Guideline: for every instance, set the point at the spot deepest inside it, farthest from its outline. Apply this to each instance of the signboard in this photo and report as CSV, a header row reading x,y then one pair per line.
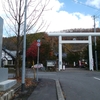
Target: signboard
x,y
38,44
51,63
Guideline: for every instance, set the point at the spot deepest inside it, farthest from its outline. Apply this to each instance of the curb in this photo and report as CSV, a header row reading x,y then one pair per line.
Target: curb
x,y
59,91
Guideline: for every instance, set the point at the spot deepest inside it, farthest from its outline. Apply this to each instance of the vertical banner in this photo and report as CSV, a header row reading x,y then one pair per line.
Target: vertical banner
x,y
79,62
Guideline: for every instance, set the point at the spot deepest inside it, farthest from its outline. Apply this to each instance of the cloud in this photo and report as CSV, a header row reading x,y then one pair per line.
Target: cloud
x,y
58,19
95,3
55,4
63,20
75,1
1,10
52,6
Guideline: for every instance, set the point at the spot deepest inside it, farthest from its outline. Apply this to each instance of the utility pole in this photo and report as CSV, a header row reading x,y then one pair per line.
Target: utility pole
x,y
96,62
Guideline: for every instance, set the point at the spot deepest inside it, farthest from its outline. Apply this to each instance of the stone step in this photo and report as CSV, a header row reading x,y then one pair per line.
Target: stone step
x,y
7,84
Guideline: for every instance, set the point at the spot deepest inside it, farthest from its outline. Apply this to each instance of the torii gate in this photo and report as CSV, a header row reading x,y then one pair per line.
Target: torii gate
x,y
89,41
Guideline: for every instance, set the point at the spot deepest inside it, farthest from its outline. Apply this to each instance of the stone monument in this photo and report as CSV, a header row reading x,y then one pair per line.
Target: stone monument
x,y
5,83
1,31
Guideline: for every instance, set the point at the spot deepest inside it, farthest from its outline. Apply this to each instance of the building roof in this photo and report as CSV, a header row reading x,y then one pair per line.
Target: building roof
x,y
10,53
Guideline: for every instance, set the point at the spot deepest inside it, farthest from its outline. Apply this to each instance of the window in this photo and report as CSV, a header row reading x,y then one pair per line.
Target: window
x,y
10,62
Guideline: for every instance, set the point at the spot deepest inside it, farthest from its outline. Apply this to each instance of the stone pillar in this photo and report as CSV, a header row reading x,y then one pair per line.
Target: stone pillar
x,y
60,53
90,54
3,74
1,32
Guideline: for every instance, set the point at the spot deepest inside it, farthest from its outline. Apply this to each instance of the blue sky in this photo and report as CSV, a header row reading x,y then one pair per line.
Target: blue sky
x,y
67,14
71,6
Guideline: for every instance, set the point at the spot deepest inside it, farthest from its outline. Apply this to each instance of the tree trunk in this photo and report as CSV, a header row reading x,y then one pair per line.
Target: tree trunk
x,y
17,65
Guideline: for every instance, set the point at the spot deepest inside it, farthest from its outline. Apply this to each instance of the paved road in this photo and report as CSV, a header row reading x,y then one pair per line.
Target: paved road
x,y
80,84
77,84
45,90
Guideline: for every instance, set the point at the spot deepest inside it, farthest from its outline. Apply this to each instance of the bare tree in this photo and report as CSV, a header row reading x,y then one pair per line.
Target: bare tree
x,y
14,10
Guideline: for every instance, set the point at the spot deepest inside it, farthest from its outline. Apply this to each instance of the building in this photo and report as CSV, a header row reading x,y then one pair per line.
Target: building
x,y
8,57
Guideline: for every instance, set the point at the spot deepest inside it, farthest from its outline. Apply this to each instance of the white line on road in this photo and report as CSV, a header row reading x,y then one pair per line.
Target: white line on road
x,y
96,78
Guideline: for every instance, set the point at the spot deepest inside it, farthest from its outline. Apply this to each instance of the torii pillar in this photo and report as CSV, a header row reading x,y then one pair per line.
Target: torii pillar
x,y
60,53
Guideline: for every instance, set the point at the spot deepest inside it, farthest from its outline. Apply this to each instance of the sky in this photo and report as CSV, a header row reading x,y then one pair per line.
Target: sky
x,y
69,14
75,14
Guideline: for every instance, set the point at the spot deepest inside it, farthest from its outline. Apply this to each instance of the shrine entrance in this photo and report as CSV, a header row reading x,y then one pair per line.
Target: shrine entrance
x,y
88,41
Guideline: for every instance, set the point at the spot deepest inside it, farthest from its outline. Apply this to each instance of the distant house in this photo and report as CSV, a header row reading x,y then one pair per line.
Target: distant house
x,y
8,57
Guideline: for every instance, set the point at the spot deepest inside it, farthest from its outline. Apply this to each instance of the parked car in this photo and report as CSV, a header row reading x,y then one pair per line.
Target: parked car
x,y
38,66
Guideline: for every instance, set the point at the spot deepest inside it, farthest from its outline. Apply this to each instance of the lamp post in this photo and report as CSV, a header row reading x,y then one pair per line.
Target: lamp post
x,y
38,45
24,49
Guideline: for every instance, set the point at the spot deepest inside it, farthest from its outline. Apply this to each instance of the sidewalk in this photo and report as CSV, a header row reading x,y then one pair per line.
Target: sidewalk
x,y
47,89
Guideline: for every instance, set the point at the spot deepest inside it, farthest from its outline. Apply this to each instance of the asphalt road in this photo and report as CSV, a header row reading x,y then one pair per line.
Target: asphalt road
x,y
80,84
77,84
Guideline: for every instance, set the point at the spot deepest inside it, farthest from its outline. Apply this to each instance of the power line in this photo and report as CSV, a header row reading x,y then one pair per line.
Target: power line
x,y
98,10
97,14
76,1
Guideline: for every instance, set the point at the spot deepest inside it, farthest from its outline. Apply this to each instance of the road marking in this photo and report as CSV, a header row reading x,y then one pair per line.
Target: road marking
x,y
97,78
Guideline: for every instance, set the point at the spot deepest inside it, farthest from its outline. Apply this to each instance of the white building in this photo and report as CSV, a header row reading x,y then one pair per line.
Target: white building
x,y
8,57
